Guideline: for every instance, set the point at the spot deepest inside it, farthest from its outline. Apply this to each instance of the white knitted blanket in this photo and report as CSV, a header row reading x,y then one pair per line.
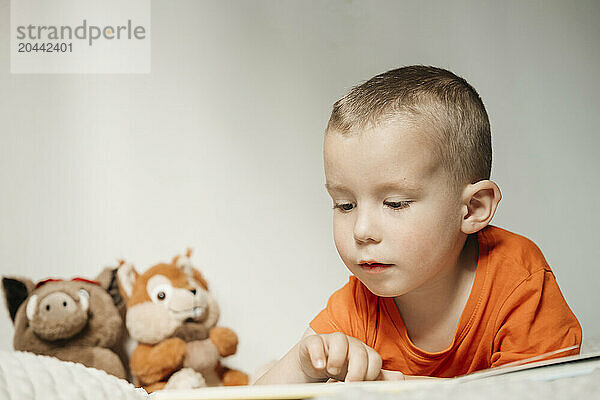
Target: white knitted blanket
x,y
27,376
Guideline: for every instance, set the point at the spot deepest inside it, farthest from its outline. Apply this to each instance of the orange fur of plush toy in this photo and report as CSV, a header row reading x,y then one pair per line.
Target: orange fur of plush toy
x,y
181,307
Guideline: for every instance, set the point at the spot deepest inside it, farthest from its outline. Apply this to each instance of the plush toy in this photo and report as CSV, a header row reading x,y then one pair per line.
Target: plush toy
x,y
173,316
73,320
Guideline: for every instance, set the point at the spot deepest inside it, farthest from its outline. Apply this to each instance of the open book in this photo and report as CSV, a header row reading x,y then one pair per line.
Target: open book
x,y
538,367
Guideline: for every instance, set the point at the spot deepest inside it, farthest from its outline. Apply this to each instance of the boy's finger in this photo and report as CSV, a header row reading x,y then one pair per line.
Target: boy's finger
x,y
337,352
391,375
374,367
315,349
358,361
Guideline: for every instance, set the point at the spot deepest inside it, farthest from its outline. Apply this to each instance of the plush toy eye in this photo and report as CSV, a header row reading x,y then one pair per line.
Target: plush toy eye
x,y
161,293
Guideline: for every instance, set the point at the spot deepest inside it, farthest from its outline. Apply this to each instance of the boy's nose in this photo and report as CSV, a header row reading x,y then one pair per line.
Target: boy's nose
x,y
365,229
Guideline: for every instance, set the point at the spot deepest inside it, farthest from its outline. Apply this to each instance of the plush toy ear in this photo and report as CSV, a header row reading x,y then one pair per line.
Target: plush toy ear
x,y
16,291
185,264
200,279
126,277
179,260
192,273
108,280
105,277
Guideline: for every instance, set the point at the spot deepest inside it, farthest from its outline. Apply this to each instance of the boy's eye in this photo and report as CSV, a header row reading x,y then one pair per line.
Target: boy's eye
x,y
396,205
344,206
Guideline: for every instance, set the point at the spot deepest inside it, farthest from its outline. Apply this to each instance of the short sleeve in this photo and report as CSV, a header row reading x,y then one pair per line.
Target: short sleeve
x,y
345,312
535,319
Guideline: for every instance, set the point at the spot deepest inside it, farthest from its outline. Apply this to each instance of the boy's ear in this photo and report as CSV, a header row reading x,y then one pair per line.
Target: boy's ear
x,y
16,291
480,200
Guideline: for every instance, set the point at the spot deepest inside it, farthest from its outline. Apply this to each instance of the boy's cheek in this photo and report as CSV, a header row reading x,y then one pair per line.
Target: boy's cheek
x,y
343,244
342,234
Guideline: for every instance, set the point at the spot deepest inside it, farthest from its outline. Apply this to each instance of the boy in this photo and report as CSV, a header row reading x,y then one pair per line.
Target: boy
x,y
435,290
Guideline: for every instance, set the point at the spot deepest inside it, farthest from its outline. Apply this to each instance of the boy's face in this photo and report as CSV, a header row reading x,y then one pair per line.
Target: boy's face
x,y
393,205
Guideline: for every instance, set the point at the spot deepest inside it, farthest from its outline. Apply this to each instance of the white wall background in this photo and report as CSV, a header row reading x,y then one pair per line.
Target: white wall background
x,y
219,148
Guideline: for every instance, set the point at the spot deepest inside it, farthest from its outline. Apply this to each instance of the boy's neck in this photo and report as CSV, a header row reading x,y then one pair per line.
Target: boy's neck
x,y
431,313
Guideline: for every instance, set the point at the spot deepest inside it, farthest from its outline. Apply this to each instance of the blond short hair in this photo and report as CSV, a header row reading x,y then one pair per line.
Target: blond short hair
x,y
431,97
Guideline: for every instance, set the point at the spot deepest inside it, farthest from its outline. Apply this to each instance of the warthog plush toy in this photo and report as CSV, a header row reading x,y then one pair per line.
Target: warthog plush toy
x,y
73,320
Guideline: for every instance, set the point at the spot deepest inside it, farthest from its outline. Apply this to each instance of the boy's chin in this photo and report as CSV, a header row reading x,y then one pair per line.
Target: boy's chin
x,y
386,293
384,288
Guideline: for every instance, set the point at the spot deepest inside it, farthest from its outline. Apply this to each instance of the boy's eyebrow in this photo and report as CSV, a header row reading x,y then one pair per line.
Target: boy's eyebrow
x,y
330,186
384,186
399,185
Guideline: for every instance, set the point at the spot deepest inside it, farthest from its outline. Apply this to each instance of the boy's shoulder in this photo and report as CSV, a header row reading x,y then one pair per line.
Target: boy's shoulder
x,y
522,300
513,269
511,251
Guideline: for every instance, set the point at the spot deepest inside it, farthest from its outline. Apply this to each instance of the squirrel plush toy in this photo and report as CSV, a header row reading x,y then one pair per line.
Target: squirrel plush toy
x,y
173,317
74,320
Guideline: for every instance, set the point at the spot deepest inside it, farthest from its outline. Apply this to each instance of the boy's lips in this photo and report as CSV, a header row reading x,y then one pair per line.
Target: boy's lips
x,y
374,266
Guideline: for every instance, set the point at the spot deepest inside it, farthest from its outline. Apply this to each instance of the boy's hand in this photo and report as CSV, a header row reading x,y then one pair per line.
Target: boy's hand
x,y
338,356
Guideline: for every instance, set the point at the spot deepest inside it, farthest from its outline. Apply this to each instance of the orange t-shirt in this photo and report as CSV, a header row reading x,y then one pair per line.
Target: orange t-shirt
x,y
515,311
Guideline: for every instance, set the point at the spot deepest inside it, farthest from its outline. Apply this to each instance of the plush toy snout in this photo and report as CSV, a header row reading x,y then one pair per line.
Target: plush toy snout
x,y
189,305
58,315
